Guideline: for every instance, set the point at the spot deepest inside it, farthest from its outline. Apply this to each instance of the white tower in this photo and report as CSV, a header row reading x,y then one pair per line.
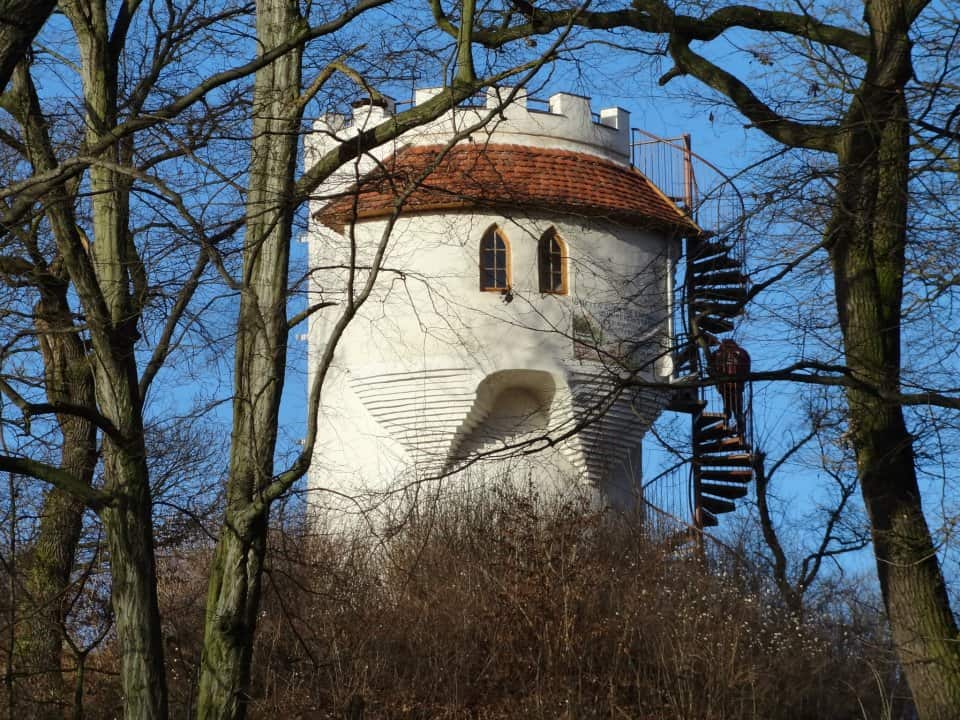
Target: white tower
x,y
526,275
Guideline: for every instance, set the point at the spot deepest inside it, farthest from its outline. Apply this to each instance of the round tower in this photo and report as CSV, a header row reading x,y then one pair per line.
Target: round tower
x,y
521,322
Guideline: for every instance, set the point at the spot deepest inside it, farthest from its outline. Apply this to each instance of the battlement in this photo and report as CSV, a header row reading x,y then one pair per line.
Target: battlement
x,y
564,121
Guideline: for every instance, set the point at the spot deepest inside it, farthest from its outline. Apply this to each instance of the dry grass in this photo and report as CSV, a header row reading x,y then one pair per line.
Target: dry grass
x,y
507,608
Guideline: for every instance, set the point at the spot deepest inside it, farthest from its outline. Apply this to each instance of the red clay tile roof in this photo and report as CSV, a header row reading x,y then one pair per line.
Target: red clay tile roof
x,y
483,175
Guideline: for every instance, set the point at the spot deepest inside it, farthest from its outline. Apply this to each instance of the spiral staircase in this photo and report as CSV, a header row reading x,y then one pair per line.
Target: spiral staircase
x,y
722,456
712,296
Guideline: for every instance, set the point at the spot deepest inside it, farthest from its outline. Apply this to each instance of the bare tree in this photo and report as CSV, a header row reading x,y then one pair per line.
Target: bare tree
x,y
146,133
858,127
796,570
68,382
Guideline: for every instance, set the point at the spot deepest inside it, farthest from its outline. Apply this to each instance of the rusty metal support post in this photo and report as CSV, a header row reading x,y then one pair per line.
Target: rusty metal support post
x,y
688,184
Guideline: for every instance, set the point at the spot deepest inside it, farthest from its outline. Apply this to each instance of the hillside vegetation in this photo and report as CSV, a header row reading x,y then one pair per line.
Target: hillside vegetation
x,y
507,608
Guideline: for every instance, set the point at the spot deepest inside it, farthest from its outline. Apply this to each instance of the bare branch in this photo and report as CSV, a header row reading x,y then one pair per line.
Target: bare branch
x,y
655,16
90,496
29,409
27,192
761,115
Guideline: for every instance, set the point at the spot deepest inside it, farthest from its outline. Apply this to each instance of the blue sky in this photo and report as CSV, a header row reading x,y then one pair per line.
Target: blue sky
x,y
617,77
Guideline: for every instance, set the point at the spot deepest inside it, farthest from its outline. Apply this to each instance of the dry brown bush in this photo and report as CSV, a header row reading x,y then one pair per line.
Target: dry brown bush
x,y
512,607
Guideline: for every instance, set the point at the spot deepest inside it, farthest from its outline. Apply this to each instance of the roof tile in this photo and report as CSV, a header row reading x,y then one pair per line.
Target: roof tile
x,y
475,175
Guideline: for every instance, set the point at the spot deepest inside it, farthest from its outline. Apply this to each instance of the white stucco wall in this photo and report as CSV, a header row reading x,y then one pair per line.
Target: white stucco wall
x,y
432,369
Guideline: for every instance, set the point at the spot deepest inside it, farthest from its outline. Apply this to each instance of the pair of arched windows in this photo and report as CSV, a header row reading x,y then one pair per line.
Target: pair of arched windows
x,y
495,262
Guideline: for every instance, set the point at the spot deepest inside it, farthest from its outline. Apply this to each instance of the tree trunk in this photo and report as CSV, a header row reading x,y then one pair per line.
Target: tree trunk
x,y
867,239
51,559
129,533
235,580
68,379
113,310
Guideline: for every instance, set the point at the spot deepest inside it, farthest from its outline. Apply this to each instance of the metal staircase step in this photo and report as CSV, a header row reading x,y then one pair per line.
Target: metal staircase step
x,y
731,476
730,492
727,444
723,262
731,460
716,506
706,419
719,277
715,325
731,294
731,309
702,251
710,434
707,518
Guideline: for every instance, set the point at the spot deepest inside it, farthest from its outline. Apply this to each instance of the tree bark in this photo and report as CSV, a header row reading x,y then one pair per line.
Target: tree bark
x,y
235,581
52,556
867,238
20,21
68,380
113,311
869,241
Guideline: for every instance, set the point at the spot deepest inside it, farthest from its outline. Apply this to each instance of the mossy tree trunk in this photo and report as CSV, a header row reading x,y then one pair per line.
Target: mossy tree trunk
x,y
260,363
261,342
867,239
112,298
51,560
68,380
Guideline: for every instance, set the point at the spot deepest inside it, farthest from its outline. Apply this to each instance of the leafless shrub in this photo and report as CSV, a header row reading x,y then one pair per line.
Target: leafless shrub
x,y
510,606
513,606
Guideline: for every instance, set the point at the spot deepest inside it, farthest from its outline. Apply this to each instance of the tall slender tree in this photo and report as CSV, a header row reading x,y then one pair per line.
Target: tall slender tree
x,y
68,381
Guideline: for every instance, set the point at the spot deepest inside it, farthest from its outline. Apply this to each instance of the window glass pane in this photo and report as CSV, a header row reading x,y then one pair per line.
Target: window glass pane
x,y
494,254
543,260
550,263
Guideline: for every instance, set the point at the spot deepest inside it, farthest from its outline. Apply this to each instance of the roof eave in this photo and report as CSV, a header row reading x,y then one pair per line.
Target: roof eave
x,y
683,225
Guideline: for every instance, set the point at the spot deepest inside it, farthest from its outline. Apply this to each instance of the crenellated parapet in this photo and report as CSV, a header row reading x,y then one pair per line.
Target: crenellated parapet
x,y
564,121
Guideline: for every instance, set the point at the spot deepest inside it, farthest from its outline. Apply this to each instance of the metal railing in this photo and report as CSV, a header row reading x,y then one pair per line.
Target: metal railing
x,y
698,186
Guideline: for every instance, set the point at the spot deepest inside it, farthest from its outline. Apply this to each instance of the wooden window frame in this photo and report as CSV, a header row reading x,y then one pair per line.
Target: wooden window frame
x,y
545,268
490,235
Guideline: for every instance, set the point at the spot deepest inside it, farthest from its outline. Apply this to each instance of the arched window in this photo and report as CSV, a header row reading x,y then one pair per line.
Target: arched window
x,y
494,260
552,263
